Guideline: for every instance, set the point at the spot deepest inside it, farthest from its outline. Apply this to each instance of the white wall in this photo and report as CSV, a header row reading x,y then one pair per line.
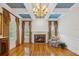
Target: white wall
x,y
69,29
40,25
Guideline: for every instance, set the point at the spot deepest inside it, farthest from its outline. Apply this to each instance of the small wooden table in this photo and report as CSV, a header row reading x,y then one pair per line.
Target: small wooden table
x,y
4,46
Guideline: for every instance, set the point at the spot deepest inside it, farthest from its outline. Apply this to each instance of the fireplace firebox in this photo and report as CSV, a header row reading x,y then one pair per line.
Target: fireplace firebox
x,y
39,38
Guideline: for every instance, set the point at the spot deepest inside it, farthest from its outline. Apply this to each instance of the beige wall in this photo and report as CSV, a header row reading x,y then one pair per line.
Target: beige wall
x,y
69,29
0,24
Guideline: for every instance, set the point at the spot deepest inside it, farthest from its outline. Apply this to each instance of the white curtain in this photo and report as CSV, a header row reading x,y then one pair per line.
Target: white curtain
x,y
26,33
52,30
12,32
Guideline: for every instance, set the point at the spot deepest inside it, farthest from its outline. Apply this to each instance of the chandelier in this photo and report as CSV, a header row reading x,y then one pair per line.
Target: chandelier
x,y
40,10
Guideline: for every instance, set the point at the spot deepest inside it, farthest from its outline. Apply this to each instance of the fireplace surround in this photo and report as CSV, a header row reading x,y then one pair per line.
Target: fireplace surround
x,y
39,38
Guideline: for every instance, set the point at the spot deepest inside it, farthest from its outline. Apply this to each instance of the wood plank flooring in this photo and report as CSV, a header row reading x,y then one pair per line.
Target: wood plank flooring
x,y
39,50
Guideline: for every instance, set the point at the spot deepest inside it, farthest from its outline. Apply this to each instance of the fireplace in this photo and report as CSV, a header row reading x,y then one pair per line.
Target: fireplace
x,y
39,38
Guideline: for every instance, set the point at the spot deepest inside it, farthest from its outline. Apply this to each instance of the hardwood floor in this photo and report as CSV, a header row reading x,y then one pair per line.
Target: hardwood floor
x,y
39,50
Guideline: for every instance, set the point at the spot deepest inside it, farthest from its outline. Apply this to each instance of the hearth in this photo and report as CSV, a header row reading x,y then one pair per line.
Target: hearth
x,y
39,38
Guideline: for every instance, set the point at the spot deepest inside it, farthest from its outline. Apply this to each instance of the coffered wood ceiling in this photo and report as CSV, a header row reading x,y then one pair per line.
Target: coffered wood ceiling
x,y
64,5
16,5
25,10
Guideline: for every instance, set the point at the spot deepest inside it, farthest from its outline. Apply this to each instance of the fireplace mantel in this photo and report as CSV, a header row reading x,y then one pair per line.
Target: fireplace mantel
x,y
40,33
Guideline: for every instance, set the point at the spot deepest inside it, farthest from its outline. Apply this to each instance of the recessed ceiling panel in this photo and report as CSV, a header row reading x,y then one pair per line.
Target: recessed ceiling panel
x,y
54,15
64,5
16,5
25,15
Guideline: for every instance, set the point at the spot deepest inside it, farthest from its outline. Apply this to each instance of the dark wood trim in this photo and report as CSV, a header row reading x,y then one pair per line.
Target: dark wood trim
x,y
30,23
23,25
56,27
22,38
6,24
17,32
1,24
49,29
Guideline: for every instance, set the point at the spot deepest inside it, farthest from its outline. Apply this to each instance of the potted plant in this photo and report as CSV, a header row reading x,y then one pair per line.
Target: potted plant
x,y
62,45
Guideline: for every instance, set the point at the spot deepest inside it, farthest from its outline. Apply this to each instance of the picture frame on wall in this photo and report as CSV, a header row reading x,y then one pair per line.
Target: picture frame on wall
x,y
0,23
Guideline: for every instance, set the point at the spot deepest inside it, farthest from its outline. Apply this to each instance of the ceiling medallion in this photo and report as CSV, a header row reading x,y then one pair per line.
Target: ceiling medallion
x,y
40,10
